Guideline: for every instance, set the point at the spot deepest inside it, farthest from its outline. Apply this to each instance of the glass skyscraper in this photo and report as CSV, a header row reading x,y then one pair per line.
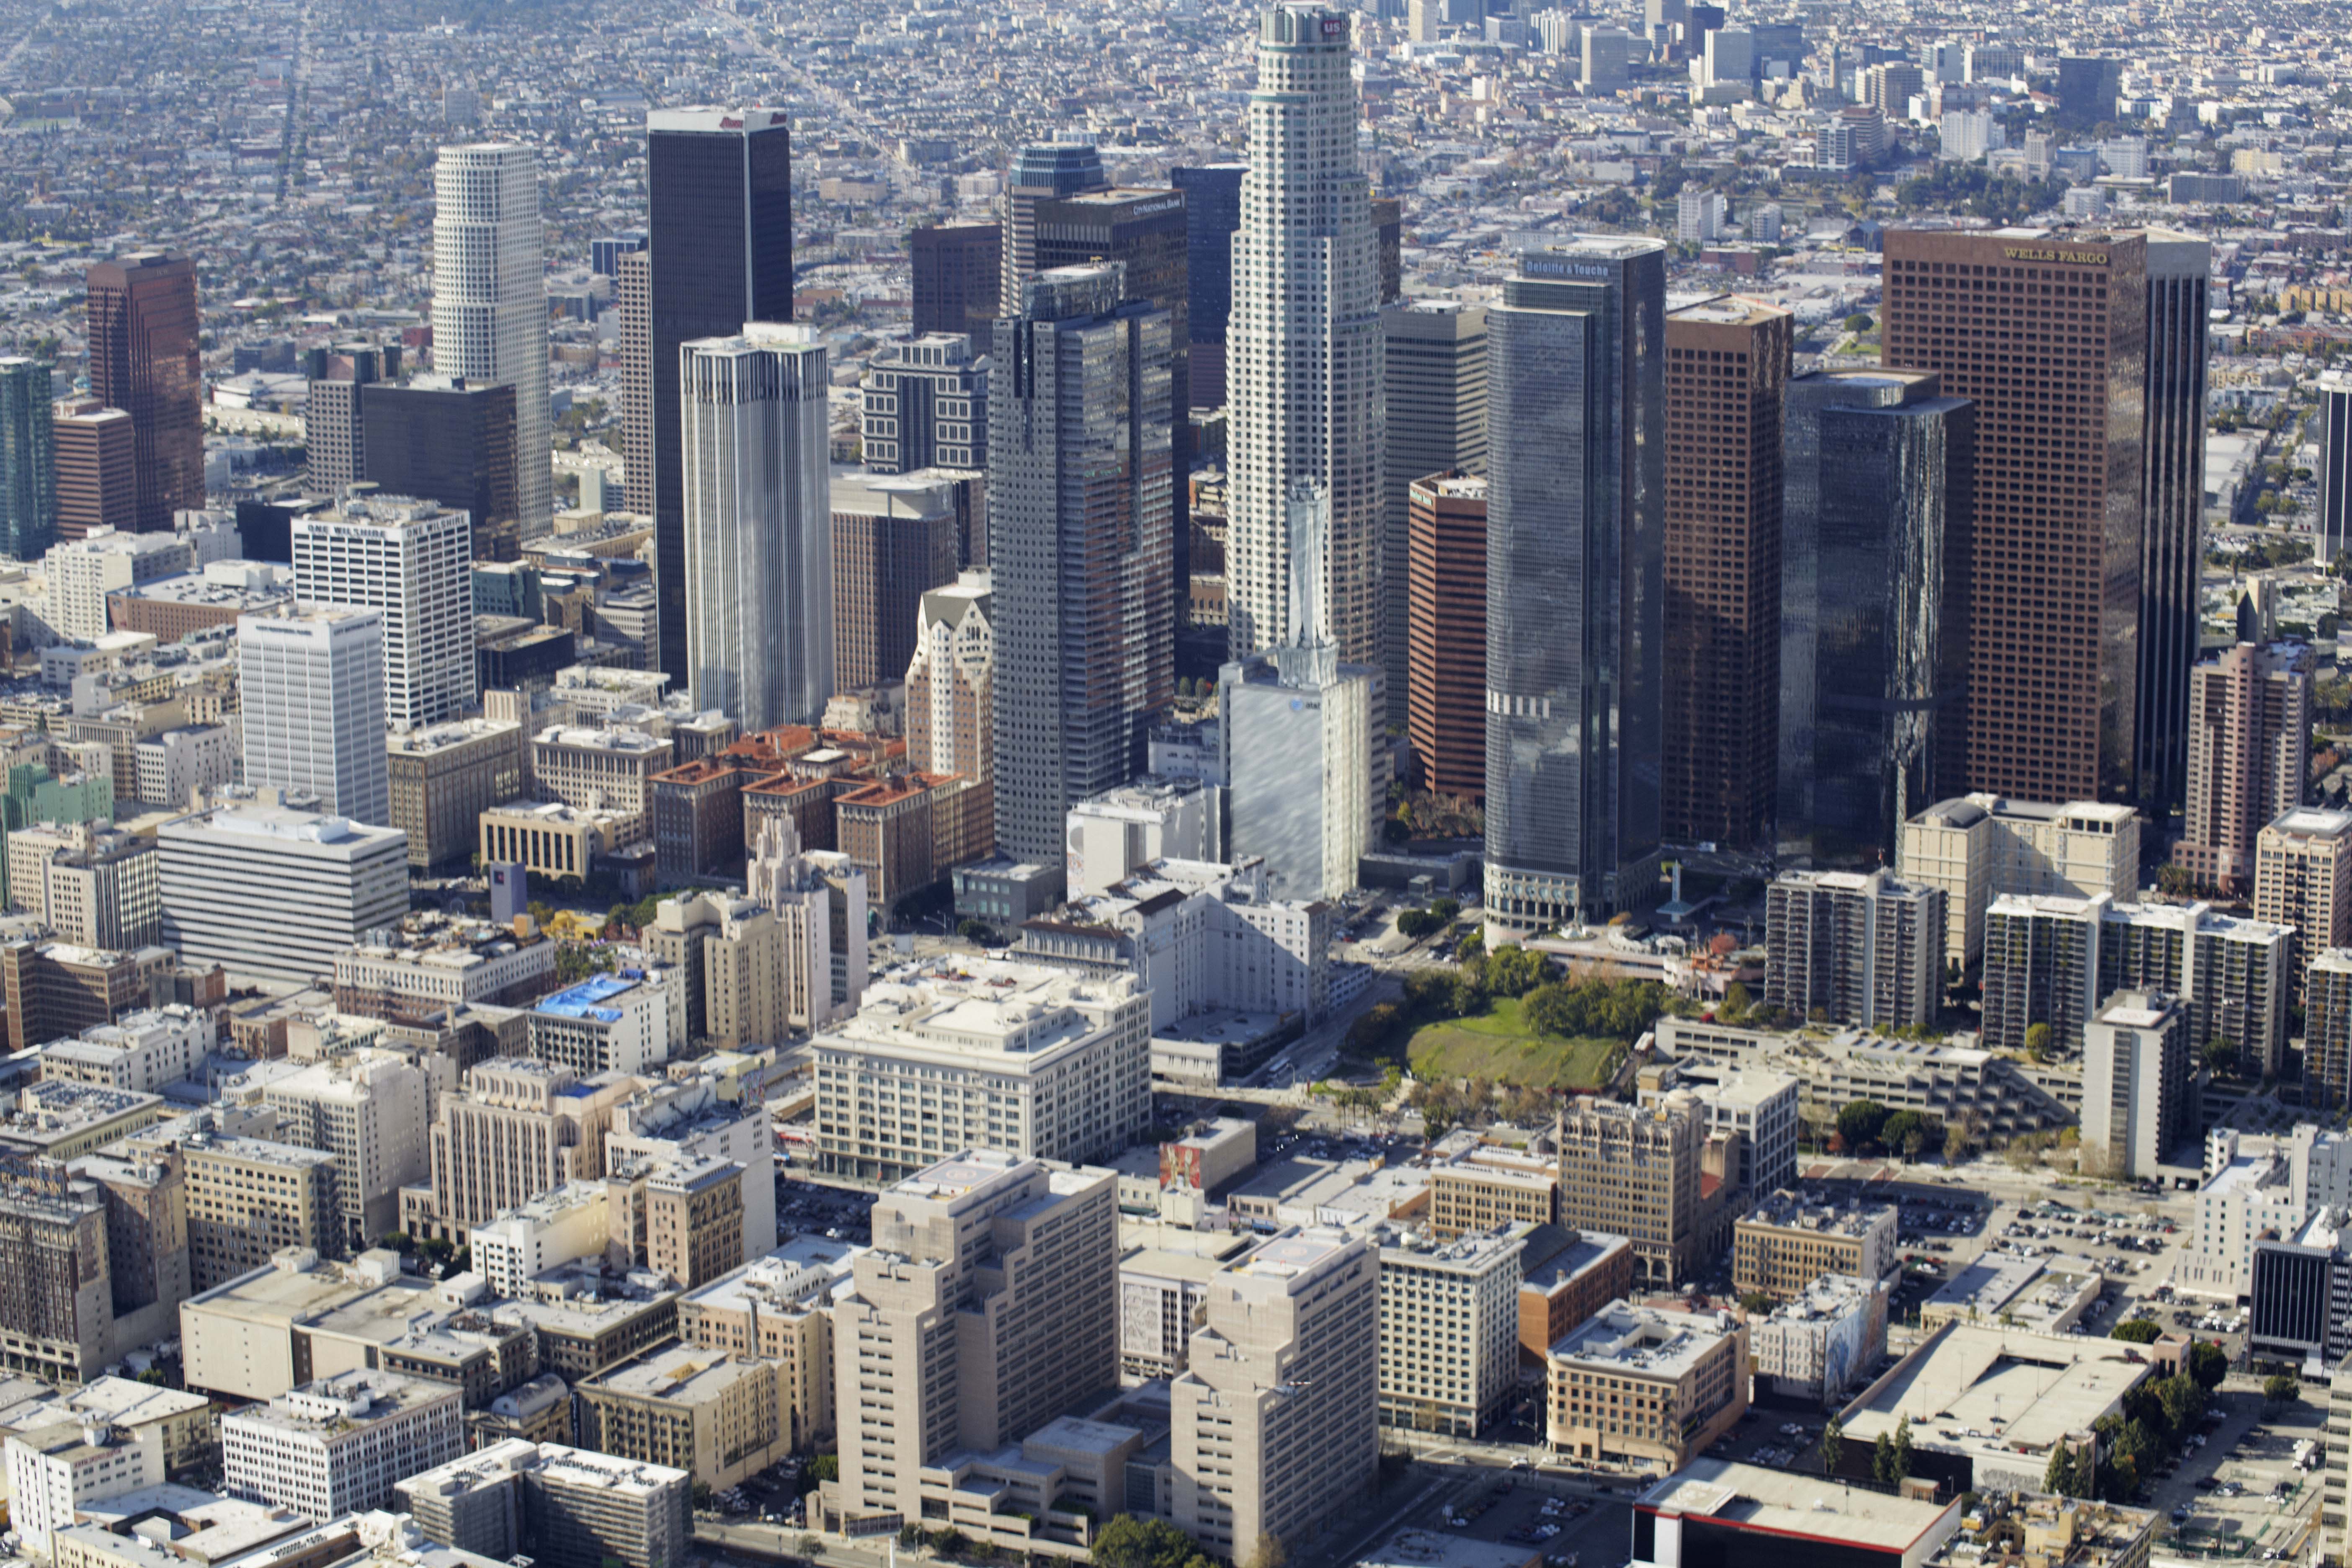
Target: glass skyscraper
x,y
28,461
1575,563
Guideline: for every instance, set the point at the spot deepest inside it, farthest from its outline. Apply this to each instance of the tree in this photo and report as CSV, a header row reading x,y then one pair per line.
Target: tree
x,y
1128,1542
825,1467
2037,1041
2280,1389
2208,1364
1832,1445
1268,1554
2060,1480
1860,1123
1882,1461
1735,1002
1859,321
810,1545
1902,1449
2137,1331
1756,1303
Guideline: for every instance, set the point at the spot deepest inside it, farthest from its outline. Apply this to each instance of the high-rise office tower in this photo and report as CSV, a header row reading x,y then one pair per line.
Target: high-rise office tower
x,y
1080,447
1435,387
413,561
97,467
311,690
633,306
1608,59
2172,478
1213,211
1575,560
719,187
958,278
1302,349
28,461
1388,241
2248,758
2054,579
1727,383
334,437
894,540
1447,631
144,361
2335,530
606,251
2087,89
1146,231
1873,610
924,405
441,438
1047,172
489,301
759,548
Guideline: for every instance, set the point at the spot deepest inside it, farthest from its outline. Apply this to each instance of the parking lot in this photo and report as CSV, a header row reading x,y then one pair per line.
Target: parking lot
x,y
1523,1510
837,1214
2244,1492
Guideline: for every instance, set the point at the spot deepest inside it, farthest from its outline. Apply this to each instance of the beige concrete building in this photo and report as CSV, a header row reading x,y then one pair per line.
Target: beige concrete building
x,y
1276,1418
2249,757
56,1312
1786,1244
603,770
1487,1187
186,1423
366,1108
520,1128
443,776
336,1446
585,1317
53,1471
1026,1058
1636,1173
250,1198
567,1506
1021,1259
556,838
1979,847
779,1309
1646,1385
561,1226
719,1417
682,1219
239,1339
1449,1330
2303,879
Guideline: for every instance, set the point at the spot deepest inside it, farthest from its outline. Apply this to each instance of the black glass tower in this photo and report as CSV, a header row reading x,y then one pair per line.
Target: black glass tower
x,y
721,194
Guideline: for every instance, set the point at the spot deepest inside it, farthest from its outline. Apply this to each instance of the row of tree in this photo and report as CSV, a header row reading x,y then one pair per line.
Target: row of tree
x,y
1864,1126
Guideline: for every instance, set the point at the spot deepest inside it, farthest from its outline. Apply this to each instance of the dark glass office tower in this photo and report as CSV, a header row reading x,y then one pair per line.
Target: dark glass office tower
x,y
1146,231
29,460
1213,211
959,277
1080,445
720,193
2087,89
1045,172
1388,228
1873,610
2172,481
144,361
1575,591
439,439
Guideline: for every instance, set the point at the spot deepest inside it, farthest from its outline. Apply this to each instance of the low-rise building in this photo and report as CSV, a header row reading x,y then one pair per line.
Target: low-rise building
x,y
1817,1346
337,1445
719,1416
1647,1386
1786,1243
569,1507
1716,1512
443,776
55,1471
556,1227
436,963
610,1023
1489,1186
1570,1276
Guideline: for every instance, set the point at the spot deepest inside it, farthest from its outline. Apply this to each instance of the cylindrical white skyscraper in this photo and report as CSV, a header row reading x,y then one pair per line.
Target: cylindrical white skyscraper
x,y
759,524
489,301
1303,365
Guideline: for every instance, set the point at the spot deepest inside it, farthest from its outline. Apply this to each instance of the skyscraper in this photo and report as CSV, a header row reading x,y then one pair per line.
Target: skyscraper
x,y
1575,548
1213,211
1727,383
438,438
144,361
759,554
1080,447
1436,390
28,462
1302,349
1447,631
1045,172
334,437
959,277
411,560
633,305
489,301
2056,516
2172,477
1873,610
2335,529
2248,758
2087,89
894,540
719,187
97,469
311,687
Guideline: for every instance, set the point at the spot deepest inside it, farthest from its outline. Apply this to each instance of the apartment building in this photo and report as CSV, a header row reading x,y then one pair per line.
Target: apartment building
x,y
2137,1070
1636,1173
2303,879
560,1225
1979,847
443,776
366,1108
1487,1187
1012,1056
1786,1244
2327,1026
1864,950
518,1127
2053,959
1276,1415
1449,1329
56,1313
682,1219
2249,757
337,1445
1646,1386
671,1128
778,1308
714,1416
1023,1257
142,1051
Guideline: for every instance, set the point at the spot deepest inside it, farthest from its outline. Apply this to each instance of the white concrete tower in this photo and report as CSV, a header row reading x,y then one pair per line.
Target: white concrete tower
x,y
490,299
312,692
1304,349
759,539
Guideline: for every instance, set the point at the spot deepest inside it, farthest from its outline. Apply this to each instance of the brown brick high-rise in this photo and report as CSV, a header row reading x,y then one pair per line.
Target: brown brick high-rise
x,y
1445,644
1726,385
144,361
2047,334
